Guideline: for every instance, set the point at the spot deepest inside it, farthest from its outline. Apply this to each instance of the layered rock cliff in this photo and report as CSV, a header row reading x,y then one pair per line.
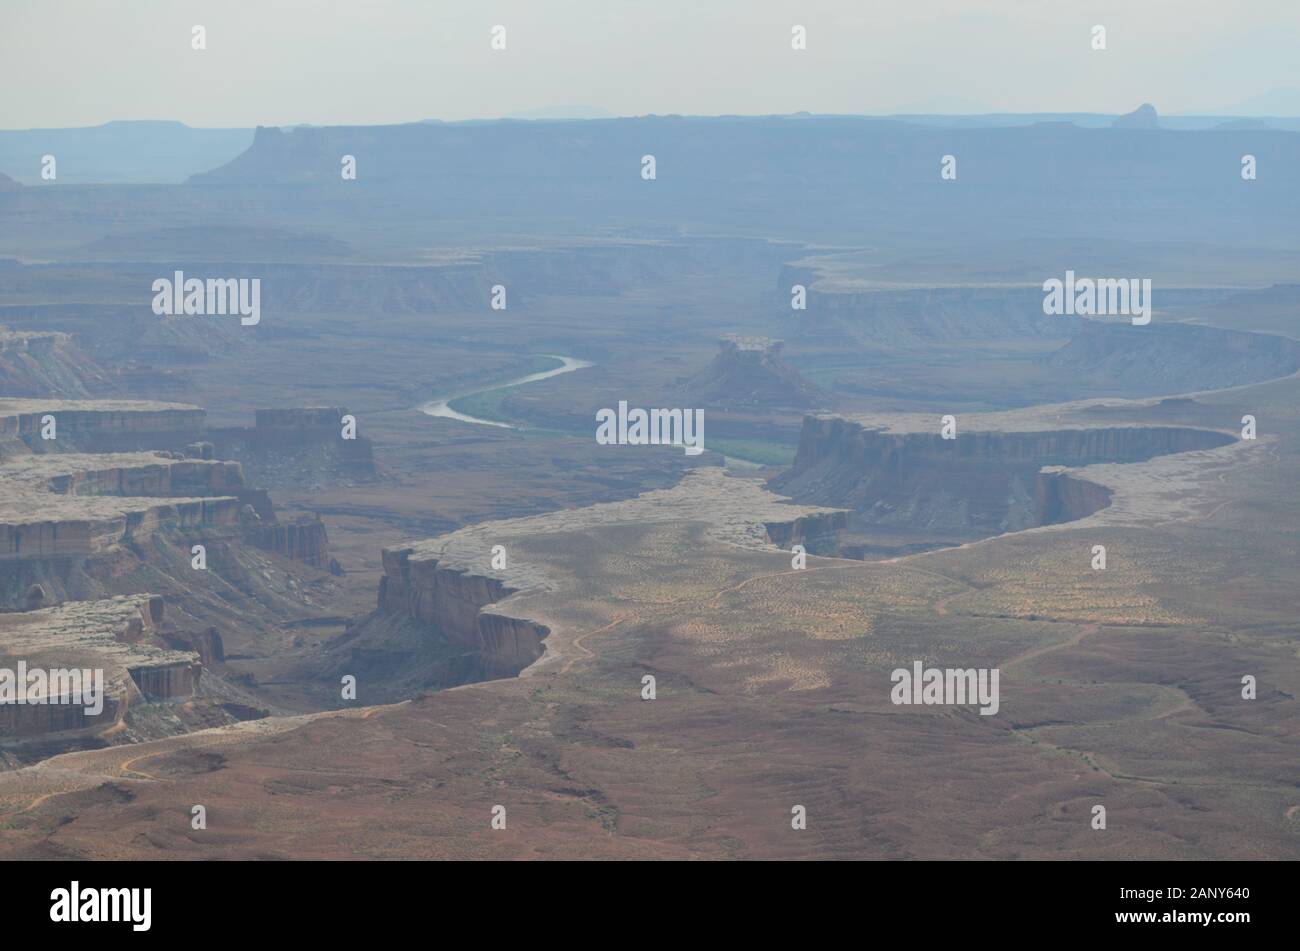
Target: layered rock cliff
x,y
97,425
302,539
111,639
818,533
292,447
980,483
67,516
451,602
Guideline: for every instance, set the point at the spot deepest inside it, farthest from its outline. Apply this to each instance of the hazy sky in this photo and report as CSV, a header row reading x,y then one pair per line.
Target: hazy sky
x,y
279,62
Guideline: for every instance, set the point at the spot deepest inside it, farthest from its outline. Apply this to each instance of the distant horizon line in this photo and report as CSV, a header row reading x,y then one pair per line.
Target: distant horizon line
x,y
433,120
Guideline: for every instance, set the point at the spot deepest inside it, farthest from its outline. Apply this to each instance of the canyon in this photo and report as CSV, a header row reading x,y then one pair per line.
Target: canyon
x,y
90,518
499,594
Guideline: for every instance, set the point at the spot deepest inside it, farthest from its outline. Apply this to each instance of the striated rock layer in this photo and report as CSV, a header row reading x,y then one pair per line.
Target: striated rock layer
x,y
290,446
112,636
980,483
59,509
302,539
451,600
98,425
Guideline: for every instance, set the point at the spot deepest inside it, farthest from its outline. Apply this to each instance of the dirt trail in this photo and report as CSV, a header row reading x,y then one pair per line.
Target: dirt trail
x,y
1084,631
84,769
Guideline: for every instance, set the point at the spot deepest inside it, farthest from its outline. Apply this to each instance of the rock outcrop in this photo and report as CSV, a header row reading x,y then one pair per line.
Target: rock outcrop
x,y
980,483
1143,117
60,508
451,601
292,447
749,371
819,533
302,539
46,364
111,638
96,425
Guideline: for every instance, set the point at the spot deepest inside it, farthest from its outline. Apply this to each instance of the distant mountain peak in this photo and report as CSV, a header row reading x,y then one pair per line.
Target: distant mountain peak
x,y
1143,117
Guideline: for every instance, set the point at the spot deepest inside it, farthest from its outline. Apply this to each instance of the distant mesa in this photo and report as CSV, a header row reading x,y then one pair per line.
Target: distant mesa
x,y
7,184
121,152
749,371
1143,117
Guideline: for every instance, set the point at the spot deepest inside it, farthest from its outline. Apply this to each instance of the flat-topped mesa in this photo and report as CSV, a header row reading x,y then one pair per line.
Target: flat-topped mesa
x,y
285,446
58,510
96,425
750,371
983,482
72,504
111,637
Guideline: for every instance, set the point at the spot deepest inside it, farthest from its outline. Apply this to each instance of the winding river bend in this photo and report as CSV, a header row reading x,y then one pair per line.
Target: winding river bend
x,y
442,407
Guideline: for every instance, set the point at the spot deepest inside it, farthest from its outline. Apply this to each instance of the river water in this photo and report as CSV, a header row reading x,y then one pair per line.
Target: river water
x,y
442,407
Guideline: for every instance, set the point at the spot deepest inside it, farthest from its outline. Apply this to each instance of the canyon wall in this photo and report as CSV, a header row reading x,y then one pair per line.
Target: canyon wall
x,y
302,539
1061,497
87,534
819,534
297,446
977,484
166,478
451,602
100,426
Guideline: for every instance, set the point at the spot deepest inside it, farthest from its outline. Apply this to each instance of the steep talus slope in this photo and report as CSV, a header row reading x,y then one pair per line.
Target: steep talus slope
x,y
47,364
